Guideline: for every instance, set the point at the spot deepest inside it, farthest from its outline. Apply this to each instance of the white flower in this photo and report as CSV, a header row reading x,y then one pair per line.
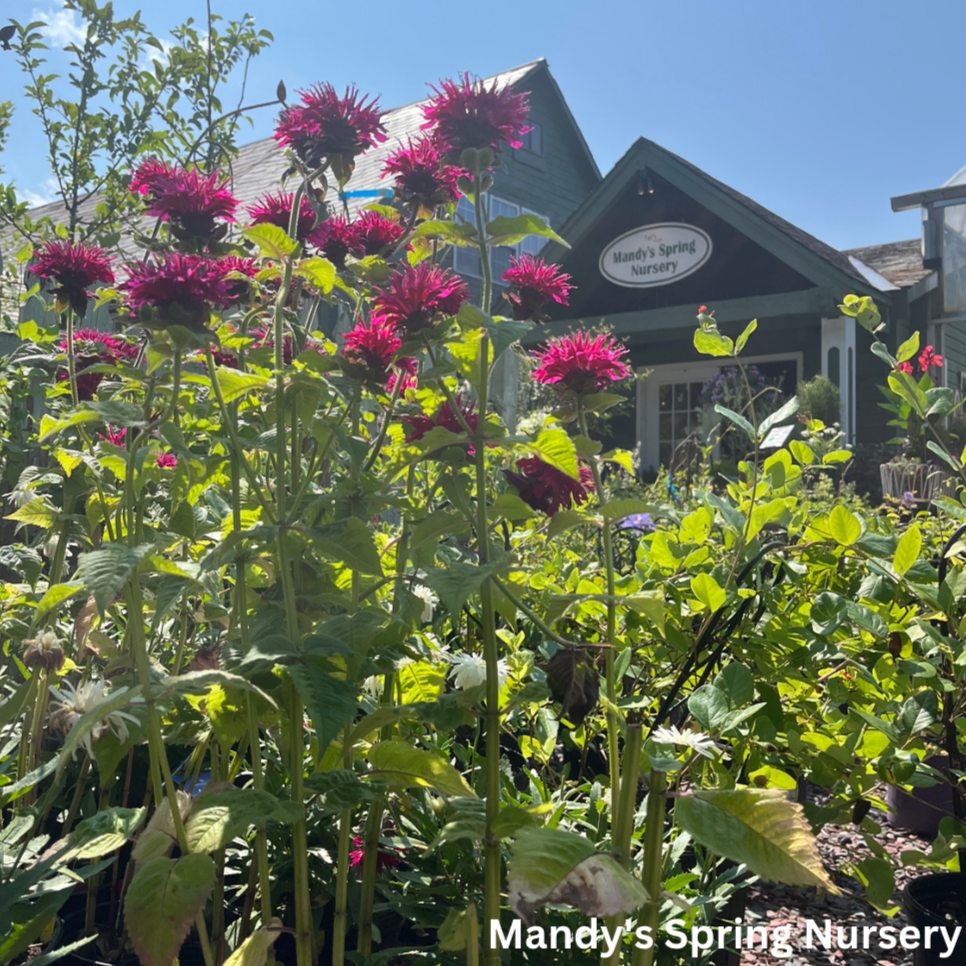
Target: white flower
x,y
697,741
50,547
70,704
469,670
20,497
374,685
429,599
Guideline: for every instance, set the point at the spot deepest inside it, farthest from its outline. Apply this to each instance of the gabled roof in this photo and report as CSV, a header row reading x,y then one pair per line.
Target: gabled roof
x,y
259,166
804,252
900,262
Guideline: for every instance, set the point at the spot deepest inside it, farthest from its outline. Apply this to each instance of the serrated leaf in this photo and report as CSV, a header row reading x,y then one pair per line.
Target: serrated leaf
x,y
234,384
398,763
162,901
351,542
254,950
555,447
105,571
758,827
331,703
38,513
271,240
320,272
512,231
219,817
102,833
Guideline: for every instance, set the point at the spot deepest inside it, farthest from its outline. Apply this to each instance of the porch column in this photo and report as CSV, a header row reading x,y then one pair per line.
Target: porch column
x,y
838,365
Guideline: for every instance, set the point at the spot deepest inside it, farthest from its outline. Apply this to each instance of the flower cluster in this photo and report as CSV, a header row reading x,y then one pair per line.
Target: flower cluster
x,y
369,350
466,114
95,348
190,200
581,364
182,287
277,210
70,704
375,233
44,651
328,128
446,418
533,284
927,358
419,296
420,175
545,488
73,269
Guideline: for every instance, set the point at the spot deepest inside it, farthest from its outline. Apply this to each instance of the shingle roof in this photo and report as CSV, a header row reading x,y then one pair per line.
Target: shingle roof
x,y
900,262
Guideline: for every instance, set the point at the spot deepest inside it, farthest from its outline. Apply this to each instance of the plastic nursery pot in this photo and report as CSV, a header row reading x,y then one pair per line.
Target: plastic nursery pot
x,y
922,810
937,900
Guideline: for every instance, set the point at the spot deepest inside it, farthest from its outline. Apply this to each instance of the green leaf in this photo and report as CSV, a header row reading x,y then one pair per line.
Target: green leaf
x,y
398,763
843,526
463,235
456,583
779,416
272,242
198,682
234,384
105,571
706,589
618,509
879,880
907,553
555,447
38,513
254,950
554,866
600,402
710,342
330,702
759,827
162,902
50,426
55,595
504,333
742,339
920,712
563,520
436,525
710,707
880,724
219,817
738,685
737,419
320,272
934,447
102,833
351,542
908,348
827,612
512,231
940,401
862,308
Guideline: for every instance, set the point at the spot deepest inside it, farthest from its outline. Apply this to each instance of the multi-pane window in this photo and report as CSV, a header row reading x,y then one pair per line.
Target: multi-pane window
x,y
532,141
467,261
680,406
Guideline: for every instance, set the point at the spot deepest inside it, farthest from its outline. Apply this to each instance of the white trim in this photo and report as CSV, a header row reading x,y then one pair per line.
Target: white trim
x,y
648,409
839,333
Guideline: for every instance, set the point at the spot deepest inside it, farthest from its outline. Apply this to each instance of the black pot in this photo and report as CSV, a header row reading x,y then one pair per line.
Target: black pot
x,y
923,809
937,900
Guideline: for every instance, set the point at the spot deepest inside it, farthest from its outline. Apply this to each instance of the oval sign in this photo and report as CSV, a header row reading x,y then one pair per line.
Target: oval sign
x,y
655,255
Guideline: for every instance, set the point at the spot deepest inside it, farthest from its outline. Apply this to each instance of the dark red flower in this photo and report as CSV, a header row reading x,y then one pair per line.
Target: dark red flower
x,y
419,296
581,364
369,350
375,233
181,287
238,288
533,284
929,357
167,461
114,436
408,377
74,269
336,238
545,488
421,177
446,417
95,348
265,339
191,200
905,367
277,209
325,126
467,114
384,860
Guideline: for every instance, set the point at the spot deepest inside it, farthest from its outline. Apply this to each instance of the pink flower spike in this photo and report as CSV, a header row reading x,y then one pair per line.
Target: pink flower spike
x,y
189,283
191,200
579,364
167,461
73,269
420,176
276,210
545,488
533,284
417,297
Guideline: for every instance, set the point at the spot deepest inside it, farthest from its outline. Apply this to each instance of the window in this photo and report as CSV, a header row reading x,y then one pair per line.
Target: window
x,y
680,408
466,261
533,140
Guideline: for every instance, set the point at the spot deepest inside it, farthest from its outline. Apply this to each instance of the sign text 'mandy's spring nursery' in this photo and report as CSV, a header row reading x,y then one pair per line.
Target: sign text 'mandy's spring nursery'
x,y
655,255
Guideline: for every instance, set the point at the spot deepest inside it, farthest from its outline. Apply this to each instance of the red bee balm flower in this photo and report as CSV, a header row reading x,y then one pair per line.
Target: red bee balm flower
x,y
337,239
326,126
384,860
445,417
182,287
375,233
547,489
468,114
534,283
276,210
191,200
167,461
369,350
74,269
417,297
421,178
238,288
580,364
150,178
95,348
929,357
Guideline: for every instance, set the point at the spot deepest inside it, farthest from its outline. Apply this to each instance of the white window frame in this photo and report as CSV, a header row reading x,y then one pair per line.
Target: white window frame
x,y
532,245
648,395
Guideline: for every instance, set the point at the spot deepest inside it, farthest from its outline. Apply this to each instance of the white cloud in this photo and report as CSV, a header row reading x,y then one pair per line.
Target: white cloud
x,y
63,26
46,193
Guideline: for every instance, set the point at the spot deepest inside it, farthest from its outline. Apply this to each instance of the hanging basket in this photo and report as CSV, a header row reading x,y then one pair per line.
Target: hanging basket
x,y
925,481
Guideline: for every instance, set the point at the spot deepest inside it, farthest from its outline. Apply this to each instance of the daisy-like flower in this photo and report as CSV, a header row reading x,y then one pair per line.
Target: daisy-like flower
x,y
277,210
191,200
929,357
70,704
446,417
181,287
420,176
465,113
327,127
91,348
418,297
44,651
337,239
73,269
375,233
429,599
533,283
369,349
167,461
697,741
469,670
374,685
581,364
545,488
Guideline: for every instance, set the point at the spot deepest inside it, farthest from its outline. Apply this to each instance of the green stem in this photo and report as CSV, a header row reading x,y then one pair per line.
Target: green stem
x,y
340,923
472,936
653,864
71,363
370,867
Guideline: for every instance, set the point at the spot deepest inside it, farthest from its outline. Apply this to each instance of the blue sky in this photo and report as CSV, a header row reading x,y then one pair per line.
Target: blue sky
x,y
820,110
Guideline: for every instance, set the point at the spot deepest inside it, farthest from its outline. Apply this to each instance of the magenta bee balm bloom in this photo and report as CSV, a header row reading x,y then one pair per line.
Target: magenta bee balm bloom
x,y
533,284
419,296
375,233
467,114
581,364
181,287
276,210
420,176
74,269
337,240
190,200
369,350
92,348
545,488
